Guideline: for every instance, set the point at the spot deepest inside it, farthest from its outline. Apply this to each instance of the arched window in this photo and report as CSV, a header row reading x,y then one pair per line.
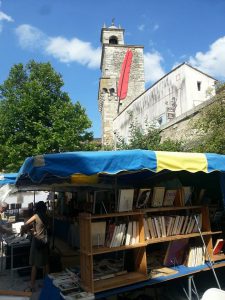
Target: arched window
x,y
113,40
104,90
111,91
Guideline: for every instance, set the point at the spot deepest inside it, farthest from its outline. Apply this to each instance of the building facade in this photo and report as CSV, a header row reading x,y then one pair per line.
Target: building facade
x,y
178,92
113,52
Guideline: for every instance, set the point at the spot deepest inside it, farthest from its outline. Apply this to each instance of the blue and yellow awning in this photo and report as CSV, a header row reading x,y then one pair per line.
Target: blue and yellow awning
x,y
85,166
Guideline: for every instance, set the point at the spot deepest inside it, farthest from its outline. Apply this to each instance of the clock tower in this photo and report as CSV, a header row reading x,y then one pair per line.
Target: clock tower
x,y
113,53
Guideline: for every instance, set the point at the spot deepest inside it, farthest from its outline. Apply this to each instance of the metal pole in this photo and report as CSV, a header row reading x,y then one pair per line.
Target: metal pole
x,y
53,222
206,251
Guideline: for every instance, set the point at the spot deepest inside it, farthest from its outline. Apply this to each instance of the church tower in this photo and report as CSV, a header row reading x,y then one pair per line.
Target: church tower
x,y
113,53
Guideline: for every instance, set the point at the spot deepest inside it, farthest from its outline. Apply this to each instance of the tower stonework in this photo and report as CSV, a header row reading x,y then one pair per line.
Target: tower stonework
x,y
113,53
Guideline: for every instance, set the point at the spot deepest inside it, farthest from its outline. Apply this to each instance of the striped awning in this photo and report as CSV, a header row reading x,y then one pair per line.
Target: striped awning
x,y
87,165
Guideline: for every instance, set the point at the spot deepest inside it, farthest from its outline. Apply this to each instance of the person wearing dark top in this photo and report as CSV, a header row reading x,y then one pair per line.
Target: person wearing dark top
x,y
39,251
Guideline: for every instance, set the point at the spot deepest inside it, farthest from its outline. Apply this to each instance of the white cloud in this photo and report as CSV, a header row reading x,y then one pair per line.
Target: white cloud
x,y
156,27
5,17
30,37
65,50
153,68
212,61
141,27
74,50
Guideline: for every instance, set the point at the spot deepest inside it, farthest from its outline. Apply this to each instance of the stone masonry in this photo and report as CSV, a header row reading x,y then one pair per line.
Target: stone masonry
x,y
113,53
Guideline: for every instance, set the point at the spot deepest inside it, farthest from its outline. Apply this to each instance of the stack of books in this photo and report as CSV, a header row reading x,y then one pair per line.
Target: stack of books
x,y
108,268
162,226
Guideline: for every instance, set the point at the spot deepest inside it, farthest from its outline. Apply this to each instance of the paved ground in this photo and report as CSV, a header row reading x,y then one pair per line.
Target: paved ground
x,y
172,290
19,283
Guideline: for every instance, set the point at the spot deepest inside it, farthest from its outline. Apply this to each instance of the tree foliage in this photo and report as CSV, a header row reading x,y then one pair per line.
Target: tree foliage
x,y
210,126
37,117
149,139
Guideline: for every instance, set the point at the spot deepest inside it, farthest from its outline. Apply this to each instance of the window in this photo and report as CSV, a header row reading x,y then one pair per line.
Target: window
x,y
111,91
113,40
199,85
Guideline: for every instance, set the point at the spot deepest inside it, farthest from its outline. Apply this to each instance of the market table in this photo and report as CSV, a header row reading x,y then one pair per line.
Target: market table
x,y
49,291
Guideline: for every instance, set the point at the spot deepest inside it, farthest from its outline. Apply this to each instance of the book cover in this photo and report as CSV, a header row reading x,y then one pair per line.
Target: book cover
x,y
115,234
162,271
134,233
146,230
126,197
175,252
98,230
218,246
157,196
109,235
151,228
129,234
169,197
143,198
187,193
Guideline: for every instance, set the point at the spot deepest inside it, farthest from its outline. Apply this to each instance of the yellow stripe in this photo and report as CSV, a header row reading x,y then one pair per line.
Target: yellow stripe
x,y
176,161
84,179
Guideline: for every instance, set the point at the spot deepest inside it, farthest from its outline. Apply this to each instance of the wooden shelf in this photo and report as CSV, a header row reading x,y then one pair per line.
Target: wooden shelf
x,y
100,250
117,214
118,281
179,237
218,257
170,208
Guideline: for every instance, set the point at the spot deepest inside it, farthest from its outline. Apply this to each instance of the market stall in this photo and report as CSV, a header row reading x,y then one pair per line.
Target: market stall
x,y
134,170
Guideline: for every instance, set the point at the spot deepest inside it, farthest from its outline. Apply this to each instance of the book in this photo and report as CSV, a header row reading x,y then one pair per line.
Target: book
x,y
157,196
157,227
78,295
151,228
129,234
218,246
115,233
175,252
109,234
66,284
169,197
146,230
162,271
134,233
125,202
98,230
187,193
143,198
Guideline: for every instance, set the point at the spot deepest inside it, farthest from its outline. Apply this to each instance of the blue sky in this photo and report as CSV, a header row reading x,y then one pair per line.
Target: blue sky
x,y
67,34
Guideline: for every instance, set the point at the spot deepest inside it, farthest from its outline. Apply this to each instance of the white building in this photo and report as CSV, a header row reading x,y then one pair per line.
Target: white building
x,y
178,92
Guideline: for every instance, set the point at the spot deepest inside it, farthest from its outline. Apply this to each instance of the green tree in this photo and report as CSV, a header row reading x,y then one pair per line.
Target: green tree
x,y
149,139
210,126
37,117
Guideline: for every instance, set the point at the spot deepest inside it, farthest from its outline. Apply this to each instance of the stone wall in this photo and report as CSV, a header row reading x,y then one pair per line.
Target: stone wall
x,y
181,127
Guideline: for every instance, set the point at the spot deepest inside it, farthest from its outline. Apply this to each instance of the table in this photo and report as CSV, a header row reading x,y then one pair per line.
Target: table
x,y
49,291
5,246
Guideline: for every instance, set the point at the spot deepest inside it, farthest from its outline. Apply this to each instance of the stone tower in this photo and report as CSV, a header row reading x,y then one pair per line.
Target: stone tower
x,y
113,53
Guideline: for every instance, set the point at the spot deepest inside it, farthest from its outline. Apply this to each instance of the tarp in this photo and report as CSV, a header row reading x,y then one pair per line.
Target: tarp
x,y
70,165
7,178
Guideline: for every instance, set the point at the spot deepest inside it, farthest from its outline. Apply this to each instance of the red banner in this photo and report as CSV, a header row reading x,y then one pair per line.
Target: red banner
x,y
124,76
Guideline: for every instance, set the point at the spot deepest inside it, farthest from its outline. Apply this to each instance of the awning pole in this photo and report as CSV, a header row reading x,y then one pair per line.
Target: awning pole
x,y
207,252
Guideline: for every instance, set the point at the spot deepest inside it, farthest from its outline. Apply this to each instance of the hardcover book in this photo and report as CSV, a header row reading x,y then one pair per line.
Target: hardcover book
x,y
143,198
98,230
158,196
169,197
126,200
218,246
175,252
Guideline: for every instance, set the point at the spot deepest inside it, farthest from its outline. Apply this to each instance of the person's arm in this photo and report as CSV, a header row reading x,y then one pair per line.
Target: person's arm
x,y
26,227
29,221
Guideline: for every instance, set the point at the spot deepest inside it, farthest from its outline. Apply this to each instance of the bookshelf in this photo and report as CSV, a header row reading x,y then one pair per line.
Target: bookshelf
x,y
135,252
